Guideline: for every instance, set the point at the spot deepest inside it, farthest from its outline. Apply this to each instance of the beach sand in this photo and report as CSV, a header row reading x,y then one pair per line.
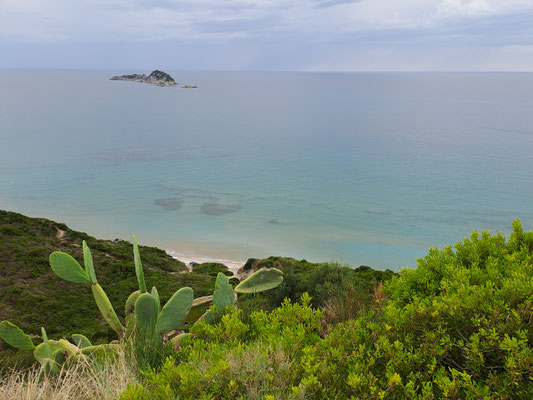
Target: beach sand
x,y
188,258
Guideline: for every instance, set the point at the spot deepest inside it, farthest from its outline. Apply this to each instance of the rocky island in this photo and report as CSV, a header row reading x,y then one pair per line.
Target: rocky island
x,y
158,78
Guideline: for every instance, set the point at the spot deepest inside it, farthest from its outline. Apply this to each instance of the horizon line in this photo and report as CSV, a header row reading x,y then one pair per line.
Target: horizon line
x,y
271,70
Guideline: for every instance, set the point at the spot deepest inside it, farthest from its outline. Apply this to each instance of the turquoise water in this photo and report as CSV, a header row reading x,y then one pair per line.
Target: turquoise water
x,y
362,168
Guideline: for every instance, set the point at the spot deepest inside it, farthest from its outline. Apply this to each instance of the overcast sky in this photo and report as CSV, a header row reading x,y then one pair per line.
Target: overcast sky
x,y
302,35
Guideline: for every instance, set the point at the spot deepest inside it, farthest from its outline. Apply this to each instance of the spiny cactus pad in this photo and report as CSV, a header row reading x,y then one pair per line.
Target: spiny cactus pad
x,y
66,267
130,303
155,294
47,348
138,266
146,312
174,312
88,261
100,350
222,296
106,309
14,336
51,353
176,340
81,341
264,279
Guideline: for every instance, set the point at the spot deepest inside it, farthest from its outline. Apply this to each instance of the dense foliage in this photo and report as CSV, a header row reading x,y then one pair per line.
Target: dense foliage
x,y
32,296
459,326
211,268
328,284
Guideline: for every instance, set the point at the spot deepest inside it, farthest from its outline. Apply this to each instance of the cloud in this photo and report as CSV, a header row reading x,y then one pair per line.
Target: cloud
x,y
235,34
133,20
333,3
449,8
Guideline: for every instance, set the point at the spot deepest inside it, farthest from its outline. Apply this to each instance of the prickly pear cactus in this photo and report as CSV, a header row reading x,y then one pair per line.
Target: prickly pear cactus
x,y
81,341
176,340
264,279
88,261
146,313
66,267
106,309
173,314
15,337
130,303
138,266
222,298
155,294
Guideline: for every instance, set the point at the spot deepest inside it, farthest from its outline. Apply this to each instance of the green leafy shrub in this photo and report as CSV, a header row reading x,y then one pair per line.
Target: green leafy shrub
x,y
212,269
328,284
459,326
234,359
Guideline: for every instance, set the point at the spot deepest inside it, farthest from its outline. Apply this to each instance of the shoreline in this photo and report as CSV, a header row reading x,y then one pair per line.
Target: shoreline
x,y
187,258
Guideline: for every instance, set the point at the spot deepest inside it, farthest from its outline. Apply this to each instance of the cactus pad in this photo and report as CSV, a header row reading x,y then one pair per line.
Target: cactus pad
x,y
106,309
130,303
176,340
202,300
47,348
173,314
43,351
14,336
146,312
262,280
155,294
81,341
222,298
138,266
88,261
101,350
66,267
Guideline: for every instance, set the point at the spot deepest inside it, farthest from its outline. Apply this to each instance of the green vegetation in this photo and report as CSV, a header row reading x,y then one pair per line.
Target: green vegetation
x,y
459,326
146,321
212,269
32,296
342,292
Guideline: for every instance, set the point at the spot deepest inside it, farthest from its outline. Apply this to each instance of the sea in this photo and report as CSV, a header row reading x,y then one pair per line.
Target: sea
x,y
359,168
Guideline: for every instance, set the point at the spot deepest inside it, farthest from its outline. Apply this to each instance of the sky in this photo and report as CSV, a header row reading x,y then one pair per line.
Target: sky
x,y
268,35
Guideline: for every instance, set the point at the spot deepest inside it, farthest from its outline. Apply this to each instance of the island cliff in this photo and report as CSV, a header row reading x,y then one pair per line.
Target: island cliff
x,y
158,78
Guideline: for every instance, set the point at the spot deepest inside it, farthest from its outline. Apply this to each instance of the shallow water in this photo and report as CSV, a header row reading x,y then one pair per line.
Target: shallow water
x,y
362,168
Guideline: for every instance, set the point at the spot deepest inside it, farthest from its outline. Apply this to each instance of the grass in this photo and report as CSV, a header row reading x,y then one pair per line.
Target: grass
x,y
83,380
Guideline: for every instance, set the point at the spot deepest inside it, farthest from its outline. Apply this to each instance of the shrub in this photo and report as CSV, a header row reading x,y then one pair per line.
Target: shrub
x,y
459,326
212,269
236,360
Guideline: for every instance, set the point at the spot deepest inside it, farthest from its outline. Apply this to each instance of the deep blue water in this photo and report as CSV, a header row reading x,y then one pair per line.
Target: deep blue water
x,y
362,168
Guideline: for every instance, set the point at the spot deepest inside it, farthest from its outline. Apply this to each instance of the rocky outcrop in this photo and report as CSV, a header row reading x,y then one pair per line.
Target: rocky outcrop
x,y
158,78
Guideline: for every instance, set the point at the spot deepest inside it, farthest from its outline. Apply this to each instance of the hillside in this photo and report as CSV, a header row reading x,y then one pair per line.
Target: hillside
x,y
32,296
458,326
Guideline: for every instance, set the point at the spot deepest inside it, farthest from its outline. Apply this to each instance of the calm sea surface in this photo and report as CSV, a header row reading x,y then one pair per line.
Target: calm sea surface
x,y
359,167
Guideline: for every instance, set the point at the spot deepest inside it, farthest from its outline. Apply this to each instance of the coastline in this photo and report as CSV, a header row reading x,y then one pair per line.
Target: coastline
x,y
187,258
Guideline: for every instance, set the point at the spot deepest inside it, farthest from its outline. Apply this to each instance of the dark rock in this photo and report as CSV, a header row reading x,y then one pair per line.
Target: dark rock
x,y
219,209
158,78
170,203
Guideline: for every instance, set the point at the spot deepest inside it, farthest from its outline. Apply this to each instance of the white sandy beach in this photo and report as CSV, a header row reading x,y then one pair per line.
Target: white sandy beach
x,y
188,258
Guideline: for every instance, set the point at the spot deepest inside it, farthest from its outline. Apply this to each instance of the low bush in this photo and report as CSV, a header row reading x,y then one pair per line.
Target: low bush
x,y
459,326
212,269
